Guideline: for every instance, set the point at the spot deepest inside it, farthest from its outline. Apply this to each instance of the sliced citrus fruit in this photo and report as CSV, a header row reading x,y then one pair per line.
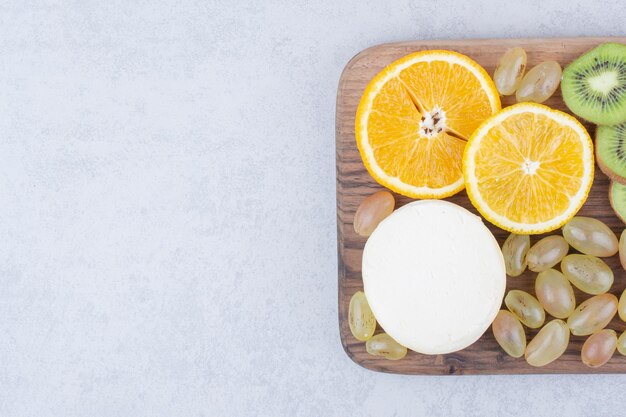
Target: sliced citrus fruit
x,y
528,168
415,117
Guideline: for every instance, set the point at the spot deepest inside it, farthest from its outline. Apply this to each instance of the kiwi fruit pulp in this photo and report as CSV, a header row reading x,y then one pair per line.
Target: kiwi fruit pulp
x,y
594,85
617,197
611,151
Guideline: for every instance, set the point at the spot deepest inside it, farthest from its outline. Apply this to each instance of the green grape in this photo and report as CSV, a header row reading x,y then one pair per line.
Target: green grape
x,y
383,345
592,315
598,348
555,293
526,308
514,252
360,317
549,344
546,253
509,333
587,273
590,236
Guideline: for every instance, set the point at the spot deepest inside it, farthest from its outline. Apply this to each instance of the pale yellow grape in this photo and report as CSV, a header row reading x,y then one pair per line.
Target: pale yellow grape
x,y
622,249
587,273
590,236
360,317
546,253
548,344
514,251
509,333
621,344
592,315
510,70
539,83
621,306
526,308
383,345
598,348
373,210
555,293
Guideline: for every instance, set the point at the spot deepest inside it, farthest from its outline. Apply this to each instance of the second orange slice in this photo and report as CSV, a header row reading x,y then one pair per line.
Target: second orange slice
x,y
414,118
529,168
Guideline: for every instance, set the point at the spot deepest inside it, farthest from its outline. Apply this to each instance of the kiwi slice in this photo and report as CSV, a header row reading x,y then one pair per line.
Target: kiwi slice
x,y
611,151
617,197
594,85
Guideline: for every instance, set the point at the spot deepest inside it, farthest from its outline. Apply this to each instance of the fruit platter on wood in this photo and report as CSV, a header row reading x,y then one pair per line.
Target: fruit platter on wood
x,y
478,250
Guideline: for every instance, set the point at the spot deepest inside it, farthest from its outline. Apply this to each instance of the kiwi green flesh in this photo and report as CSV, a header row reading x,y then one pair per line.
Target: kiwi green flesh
x,y
594,85
617,197
611,151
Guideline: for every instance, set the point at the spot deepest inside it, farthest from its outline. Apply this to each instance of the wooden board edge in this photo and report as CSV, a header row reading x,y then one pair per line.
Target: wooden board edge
x,y
416,45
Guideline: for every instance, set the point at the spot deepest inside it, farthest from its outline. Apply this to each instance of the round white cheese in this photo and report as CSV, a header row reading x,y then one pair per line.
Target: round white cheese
x,y
434,276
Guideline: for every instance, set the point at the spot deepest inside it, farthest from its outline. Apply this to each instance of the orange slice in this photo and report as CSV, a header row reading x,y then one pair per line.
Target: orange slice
x,y
528,169
415,117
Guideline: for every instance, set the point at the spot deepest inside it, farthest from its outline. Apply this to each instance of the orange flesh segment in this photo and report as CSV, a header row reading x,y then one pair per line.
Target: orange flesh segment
x,y
400,151
414,118
451,87
504,185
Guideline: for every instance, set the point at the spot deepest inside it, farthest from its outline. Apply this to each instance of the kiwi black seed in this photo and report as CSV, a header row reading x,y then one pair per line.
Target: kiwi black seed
x,y
594,85
617,197
611,151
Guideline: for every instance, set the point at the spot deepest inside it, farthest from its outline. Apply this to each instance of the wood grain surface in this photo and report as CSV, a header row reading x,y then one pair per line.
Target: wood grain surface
x,y
354,184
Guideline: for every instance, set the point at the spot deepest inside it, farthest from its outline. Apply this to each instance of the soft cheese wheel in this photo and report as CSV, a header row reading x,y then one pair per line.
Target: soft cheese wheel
x,y
434,276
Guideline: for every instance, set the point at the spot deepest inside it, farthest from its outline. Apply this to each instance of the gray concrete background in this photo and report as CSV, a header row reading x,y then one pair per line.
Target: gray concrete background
x,y
167,209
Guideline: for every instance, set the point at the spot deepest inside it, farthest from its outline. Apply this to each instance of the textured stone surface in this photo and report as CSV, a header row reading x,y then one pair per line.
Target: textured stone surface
x,y
167,214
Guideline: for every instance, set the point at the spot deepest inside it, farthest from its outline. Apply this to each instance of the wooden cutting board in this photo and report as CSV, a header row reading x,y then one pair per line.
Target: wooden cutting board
x,y
354,184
